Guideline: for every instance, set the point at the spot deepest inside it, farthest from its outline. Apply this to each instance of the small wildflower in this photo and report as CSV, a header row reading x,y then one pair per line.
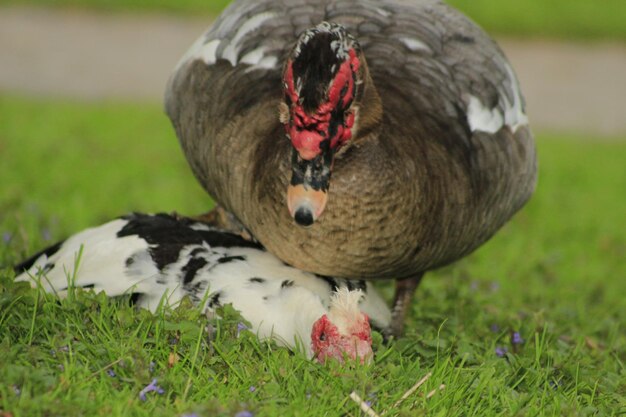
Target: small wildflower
x,y
516,339
149,388
368,403
151,367
6,237
252,388
494,328
244,413
111,373
240,328
190,415
501,351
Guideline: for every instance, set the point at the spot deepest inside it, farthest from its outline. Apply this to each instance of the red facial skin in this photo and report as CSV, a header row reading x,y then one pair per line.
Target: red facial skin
x,y
328,343
308,131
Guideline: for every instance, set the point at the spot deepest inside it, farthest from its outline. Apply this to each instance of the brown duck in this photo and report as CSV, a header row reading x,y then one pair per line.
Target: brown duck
x,y
370,139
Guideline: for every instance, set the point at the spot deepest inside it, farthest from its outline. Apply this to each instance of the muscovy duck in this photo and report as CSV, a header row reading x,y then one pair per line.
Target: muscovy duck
x,y
164,258
369,139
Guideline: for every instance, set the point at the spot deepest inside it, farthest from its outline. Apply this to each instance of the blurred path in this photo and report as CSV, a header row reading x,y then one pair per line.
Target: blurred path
x,y
568,87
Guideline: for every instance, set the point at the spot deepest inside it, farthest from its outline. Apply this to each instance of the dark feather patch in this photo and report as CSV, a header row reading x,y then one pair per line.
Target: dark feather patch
x,y
226,240
192,267
332,282
314,67
168,235
28,263
357,285
226,259
214,300
257,280
286,283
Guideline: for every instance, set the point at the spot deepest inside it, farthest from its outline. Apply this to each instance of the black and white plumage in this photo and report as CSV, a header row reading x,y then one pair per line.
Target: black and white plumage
x,y
163,257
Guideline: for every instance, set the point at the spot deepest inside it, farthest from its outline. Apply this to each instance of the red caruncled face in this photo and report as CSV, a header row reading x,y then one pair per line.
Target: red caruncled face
x,y
331,121
327,341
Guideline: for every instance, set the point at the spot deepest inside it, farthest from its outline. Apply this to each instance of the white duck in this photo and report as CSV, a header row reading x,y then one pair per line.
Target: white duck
x,y
163,257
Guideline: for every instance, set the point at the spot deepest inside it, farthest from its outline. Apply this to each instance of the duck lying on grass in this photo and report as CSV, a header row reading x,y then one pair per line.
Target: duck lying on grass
x,y
164,258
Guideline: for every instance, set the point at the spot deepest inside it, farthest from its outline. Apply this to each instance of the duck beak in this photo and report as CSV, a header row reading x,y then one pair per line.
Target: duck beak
x,y
308,191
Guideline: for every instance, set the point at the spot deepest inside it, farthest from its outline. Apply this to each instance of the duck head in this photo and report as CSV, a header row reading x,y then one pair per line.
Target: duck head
x,y
323,83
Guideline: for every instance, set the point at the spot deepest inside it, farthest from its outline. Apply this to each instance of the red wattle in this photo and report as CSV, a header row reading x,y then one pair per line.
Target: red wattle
x,y
306,142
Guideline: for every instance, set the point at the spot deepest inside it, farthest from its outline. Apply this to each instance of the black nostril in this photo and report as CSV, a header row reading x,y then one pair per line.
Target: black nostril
x,y
303,216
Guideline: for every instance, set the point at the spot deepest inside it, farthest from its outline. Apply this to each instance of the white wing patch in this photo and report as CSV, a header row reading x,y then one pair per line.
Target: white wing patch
x,y
258,60
514,115
415,44
483,119
231,52
207,49
383,12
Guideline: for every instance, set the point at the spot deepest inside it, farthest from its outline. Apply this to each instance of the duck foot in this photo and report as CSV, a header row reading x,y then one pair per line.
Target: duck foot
x,y
405,288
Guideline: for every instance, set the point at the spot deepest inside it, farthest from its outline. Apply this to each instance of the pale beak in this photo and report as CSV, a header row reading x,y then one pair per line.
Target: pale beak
x,y
308,192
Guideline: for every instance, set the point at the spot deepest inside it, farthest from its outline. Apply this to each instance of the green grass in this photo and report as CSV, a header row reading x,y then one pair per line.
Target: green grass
x,y
555,274
582,19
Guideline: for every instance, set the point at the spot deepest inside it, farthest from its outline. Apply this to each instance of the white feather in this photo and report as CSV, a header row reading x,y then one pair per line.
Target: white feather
x,y
415,44
231,52
481,118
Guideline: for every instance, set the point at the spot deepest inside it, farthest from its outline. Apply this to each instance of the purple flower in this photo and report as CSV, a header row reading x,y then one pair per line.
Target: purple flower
x,y
252,388
111,373
516,339
190,415
240,328
501,351
495,328
244,413
368,403
149,388
6,237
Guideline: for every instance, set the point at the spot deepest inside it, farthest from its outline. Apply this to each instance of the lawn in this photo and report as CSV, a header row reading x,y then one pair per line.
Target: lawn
x,y
582,19
533,323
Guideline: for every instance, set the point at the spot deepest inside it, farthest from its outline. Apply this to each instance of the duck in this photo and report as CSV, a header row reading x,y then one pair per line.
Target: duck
x,y
161,258
375,139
